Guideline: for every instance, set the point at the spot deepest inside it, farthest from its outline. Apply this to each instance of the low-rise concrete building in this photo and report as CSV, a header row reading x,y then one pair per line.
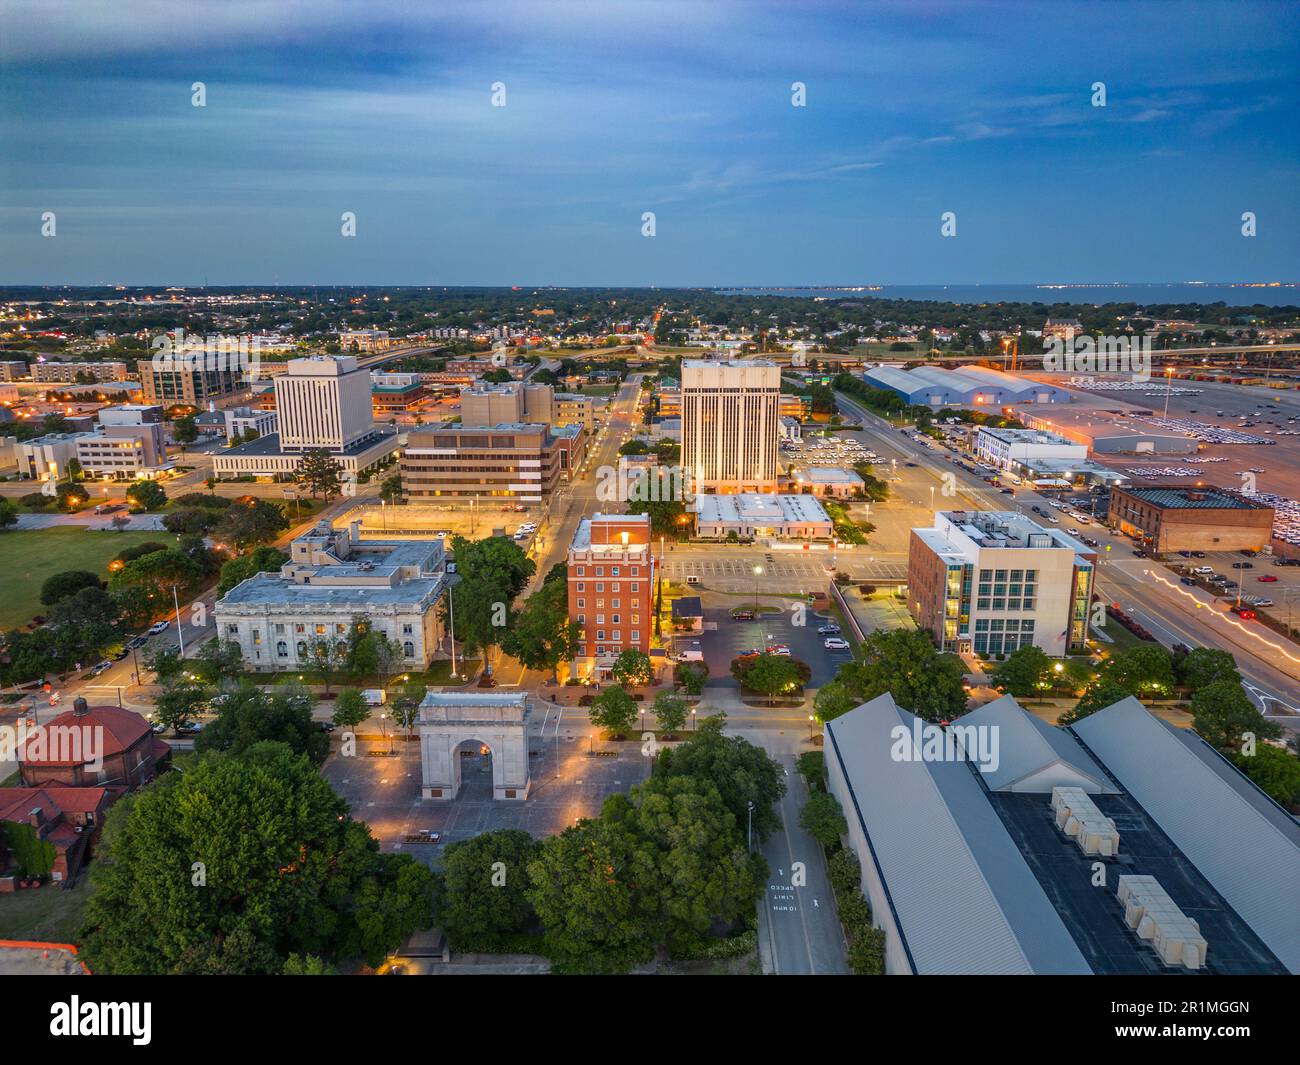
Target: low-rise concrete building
x,y
825,481
755,514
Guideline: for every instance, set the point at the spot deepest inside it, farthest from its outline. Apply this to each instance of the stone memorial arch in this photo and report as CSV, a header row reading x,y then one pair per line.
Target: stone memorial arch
x,y
496,720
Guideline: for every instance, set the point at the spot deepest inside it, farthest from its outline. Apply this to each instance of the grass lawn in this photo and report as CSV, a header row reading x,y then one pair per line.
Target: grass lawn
x,y
47,914
28,556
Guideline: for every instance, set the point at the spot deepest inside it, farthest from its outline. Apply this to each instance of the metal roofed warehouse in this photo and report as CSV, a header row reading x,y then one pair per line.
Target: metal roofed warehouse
x,y
970,867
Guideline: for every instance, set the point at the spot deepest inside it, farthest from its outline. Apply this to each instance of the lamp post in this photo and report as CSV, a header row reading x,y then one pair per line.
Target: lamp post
x,y
692,719
1169,384
758,572
749,807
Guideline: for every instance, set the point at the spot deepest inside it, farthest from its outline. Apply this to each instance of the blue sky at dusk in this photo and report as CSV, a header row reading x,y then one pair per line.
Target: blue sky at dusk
x,y
614,109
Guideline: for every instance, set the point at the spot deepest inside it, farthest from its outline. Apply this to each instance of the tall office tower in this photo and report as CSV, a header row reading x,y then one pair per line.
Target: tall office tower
x,y
323,402
730,424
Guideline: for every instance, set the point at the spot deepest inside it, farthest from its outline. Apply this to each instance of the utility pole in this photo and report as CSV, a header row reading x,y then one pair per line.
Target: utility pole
x,y
451,614
180,636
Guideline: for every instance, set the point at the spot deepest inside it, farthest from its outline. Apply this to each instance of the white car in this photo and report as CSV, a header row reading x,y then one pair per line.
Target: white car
x,y
157,627
836,643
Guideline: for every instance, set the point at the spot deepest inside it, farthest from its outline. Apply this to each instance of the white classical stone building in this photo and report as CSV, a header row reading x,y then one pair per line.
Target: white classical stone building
x,y
449,721
332,581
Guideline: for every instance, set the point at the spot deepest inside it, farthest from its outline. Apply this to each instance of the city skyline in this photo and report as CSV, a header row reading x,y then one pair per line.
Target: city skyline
x,y
909,111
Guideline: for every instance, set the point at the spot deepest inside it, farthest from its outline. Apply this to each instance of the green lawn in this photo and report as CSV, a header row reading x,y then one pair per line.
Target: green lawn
x,y
47,914
28,556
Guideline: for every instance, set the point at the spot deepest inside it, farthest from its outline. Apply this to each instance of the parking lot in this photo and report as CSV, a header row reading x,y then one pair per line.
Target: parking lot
x,y
724,638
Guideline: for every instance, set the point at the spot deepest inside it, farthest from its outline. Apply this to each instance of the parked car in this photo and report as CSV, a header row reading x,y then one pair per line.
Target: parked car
x,y
1243,565
834,643
742,615
828,630
777,649
1267,578
157,627
1188,581
192,729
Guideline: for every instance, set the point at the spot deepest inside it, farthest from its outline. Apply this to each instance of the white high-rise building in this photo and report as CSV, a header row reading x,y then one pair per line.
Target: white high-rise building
x,y
323,402
731,424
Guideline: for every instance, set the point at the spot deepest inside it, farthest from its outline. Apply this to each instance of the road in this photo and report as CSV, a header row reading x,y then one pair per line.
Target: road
x,y
1269,666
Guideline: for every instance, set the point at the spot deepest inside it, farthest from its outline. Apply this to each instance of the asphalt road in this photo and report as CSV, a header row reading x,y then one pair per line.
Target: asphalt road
x,y
1269,666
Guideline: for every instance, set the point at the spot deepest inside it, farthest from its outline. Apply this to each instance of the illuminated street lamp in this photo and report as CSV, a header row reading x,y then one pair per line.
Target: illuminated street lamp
x,y
758,572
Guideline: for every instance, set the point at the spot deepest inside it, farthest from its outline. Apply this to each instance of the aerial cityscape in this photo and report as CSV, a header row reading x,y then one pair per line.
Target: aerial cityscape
x,y
466,509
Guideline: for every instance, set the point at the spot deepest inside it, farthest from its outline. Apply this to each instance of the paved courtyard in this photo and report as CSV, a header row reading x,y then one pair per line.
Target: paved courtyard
x,y
568,783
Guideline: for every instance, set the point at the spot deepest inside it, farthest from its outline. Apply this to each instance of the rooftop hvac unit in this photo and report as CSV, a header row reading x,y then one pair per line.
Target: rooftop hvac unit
x,y
1078,817
1149,911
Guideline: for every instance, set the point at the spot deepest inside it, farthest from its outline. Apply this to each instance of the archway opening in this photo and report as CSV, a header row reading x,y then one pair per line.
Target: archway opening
x,y
472,764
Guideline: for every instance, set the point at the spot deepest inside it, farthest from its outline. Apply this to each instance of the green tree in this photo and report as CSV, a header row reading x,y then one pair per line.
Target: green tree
x,y
31,855
771,675
263,559
406,707
350,708
90,606
691,676
1144,670
248,716
8,513
1023,672
185,431
832,700
390,489
1275,770
670,712
306,964
614,711
1097,696
484,891
812,767
285,871
1203,666
180,702
481,603
166,663
905,663
495,557
191,520
632,668
1222,713
68,582
71,496
580,884
217,661
741,771
542,635
251,521
146,495
320,472
822,818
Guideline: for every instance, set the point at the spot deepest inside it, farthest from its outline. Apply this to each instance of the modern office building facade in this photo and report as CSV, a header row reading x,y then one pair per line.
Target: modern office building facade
x,y
611,575
731,424
191,380
994,581
522,461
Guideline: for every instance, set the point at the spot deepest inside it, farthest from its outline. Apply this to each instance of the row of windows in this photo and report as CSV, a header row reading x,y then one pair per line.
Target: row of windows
x,y
633,571
600,586
1004,604
1007,624
998,643
1016,574
635,604
300,628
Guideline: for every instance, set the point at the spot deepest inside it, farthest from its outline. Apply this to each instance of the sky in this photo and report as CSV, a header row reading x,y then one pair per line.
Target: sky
x,y
616,108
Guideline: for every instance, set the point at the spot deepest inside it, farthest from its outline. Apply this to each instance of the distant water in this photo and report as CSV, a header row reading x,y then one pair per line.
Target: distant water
x,y
1234,295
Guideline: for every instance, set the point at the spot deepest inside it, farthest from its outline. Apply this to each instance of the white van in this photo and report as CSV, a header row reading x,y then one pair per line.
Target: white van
x,y
692,578
374,696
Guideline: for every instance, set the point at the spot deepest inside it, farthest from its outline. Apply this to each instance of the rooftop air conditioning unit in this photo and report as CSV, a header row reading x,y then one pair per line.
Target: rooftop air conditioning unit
x,y
1150,912
1079,818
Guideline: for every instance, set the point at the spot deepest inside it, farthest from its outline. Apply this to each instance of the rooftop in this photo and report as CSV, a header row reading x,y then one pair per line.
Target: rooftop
x,y
269,445
826,475
756,507
1207,498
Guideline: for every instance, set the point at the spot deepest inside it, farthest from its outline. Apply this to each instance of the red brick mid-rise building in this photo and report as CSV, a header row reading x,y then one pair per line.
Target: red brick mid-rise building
x,y
611,589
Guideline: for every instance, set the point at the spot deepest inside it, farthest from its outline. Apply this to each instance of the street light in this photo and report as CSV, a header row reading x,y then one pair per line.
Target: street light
x,y
758,572
749,806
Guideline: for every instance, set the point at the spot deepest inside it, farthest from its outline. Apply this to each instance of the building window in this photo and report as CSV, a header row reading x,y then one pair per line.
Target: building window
x,y
232,630
302,649
408,649
600,586
282,649
636,636
613,571
582,604
582,586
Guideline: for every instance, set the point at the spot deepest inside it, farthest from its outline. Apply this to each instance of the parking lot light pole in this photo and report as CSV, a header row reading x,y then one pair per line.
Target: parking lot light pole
x,y
749,806
758,572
